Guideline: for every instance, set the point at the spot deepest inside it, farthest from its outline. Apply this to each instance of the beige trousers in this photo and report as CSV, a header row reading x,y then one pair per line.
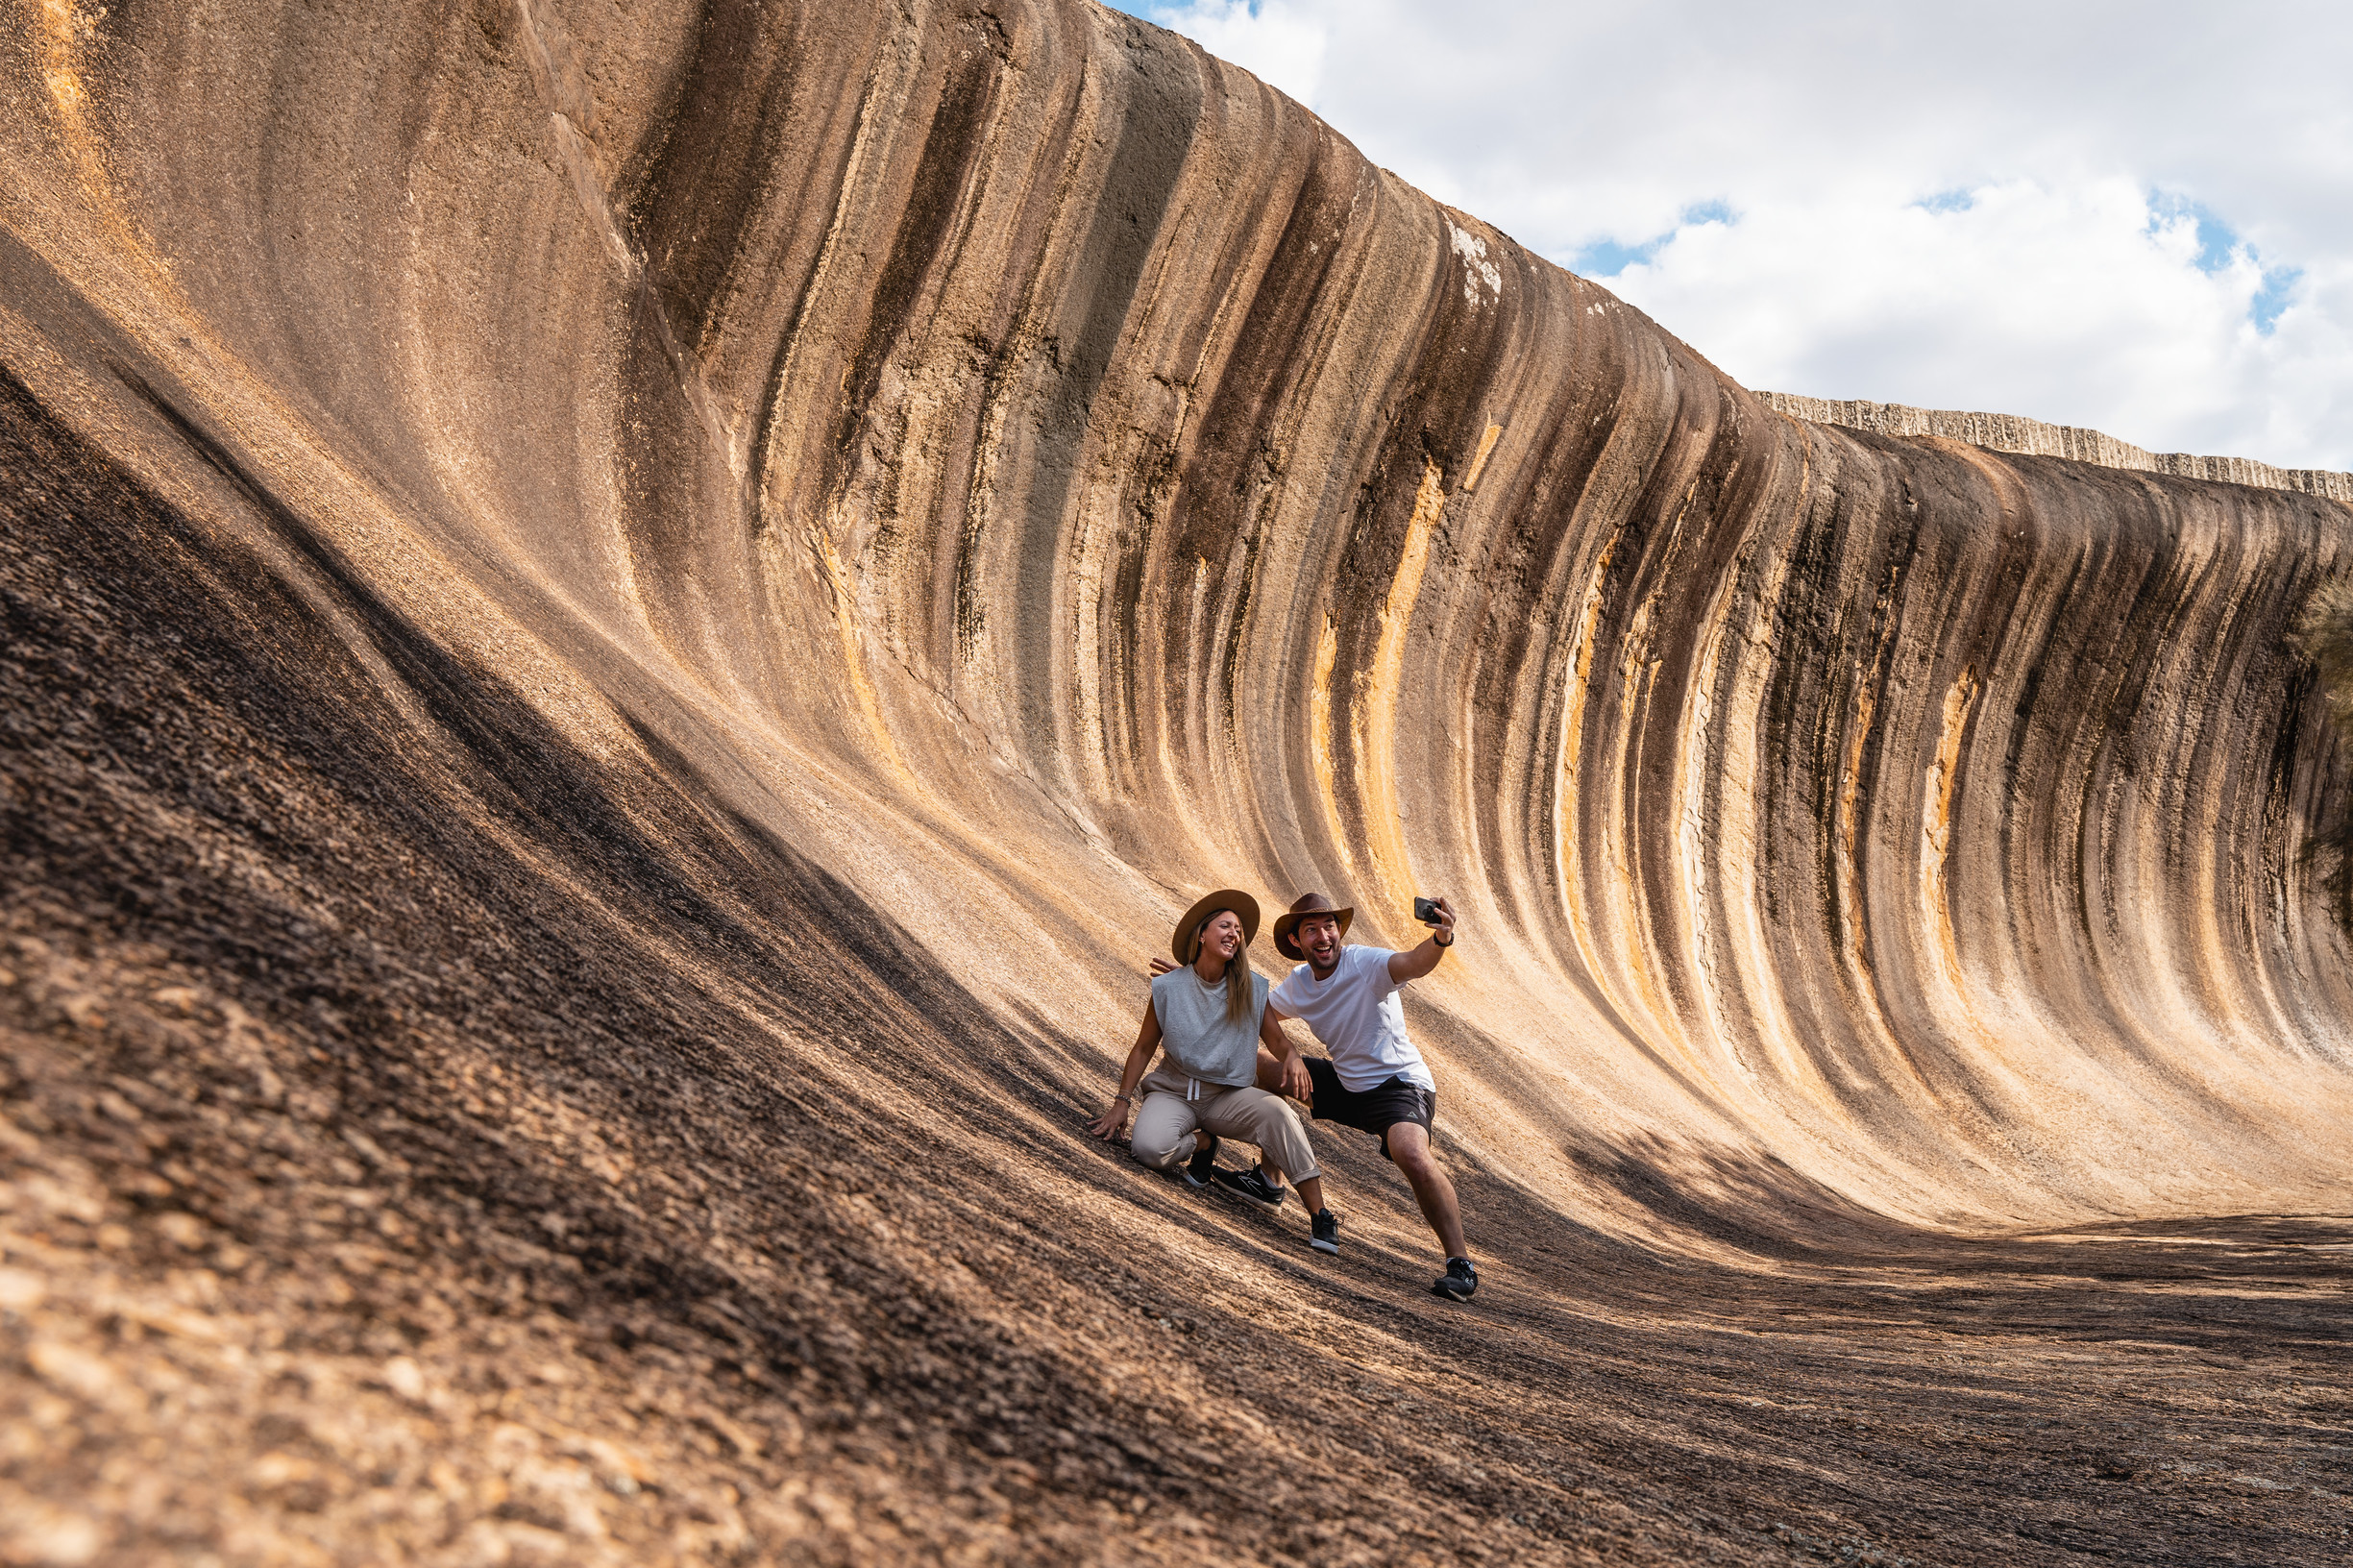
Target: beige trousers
x,y
1175,1105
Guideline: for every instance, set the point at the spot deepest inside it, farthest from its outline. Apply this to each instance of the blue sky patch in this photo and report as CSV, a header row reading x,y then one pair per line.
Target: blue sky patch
x,y
2278,284
1606,258
2219,245
1609,257
2216,241
1947,201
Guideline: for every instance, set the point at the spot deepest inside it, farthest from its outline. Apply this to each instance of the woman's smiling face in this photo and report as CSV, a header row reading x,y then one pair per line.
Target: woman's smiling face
x,y
1221,933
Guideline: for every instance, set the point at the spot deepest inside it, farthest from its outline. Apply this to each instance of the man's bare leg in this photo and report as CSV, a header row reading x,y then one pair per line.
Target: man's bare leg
x,y
1410,1151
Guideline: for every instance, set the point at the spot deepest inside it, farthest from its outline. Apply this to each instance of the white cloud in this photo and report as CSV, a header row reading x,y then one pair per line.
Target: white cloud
x,y
2031,299
2128,218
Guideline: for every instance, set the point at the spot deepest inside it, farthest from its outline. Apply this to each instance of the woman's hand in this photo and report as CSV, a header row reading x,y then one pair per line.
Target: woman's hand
x,y
1113,1121
1296,1080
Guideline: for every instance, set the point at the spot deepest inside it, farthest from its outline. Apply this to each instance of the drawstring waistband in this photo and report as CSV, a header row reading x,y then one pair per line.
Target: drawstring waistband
x,y
1193,1089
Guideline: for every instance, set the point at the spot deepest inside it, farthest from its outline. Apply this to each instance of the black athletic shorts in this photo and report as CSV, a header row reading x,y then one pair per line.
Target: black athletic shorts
x,y
1375,1110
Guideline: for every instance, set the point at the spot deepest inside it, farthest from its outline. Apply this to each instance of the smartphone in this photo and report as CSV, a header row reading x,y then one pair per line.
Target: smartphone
x,y
1426,911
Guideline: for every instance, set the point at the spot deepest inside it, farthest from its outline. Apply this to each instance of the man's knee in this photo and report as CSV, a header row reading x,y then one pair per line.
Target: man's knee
x,y
1409,1149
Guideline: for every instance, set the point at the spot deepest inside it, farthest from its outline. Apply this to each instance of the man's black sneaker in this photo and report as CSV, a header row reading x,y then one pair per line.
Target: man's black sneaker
x,y
1251,1184
1458,1282
1327,1236
1196,1172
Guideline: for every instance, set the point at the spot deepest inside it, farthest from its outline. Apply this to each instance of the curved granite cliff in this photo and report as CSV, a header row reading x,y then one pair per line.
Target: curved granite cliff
x,y
629,622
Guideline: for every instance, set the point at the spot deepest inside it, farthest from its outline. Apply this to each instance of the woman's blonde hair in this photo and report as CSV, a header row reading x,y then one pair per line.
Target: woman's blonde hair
x,y
1239,989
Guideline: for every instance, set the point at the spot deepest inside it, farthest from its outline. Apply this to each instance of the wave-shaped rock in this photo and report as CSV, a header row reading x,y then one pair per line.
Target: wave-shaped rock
x,y
734,565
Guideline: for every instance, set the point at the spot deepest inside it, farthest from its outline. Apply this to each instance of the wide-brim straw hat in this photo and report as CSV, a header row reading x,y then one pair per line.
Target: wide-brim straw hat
x,y
1309,904
1233,898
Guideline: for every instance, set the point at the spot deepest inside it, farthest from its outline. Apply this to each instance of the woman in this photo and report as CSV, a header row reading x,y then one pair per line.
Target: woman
x,y
1210,1016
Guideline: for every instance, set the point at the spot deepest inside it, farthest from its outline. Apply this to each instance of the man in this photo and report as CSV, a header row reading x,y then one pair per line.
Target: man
x,y
1375,1081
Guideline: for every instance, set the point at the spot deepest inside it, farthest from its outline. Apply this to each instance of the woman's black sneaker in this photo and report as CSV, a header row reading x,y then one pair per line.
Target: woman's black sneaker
x,y
1196,1172
1327,1234
1458,1282
1251,1184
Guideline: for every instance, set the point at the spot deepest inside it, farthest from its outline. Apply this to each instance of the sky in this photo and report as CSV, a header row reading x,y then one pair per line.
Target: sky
x,y
2135,218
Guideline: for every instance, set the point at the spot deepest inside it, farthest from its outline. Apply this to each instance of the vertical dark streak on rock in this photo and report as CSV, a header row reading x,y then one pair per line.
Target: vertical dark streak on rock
x,y
948,164
835,185
695,193
1019,349
1152,138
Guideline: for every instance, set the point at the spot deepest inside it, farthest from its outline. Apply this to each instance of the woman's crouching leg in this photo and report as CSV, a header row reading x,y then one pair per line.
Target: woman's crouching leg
x,y
1163,1132
1255,1116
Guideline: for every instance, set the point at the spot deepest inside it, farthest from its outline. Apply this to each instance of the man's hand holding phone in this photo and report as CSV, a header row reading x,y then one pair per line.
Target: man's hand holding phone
x,y
1438,913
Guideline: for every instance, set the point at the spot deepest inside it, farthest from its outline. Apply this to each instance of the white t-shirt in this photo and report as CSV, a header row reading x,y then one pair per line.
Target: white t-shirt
x,y
1358,1017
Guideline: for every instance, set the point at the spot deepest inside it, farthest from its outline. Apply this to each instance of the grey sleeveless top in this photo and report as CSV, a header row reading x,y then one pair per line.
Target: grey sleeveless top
x,y
1194,1032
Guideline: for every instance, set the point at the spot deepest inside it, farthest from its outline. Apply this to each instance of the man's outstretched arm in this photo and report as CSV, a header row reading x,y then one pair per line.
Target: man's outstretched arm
x,y
1416,962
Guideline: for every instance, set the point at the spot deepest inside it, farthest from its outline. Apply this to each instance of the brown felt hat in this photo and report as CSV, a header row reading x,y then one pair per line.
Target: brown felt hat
x,y
1309,904
1233,898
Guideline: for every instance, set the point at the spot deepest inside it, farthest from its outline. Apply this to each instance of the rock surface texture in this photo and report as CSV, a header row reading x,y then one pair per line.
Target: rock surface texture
x,y
625,623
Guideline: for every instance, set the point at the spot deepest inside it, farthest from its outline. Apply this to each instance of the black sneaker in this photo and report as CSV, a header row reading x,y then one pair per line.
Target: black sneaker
x,y
1327,1236
1460,1281
1196,1172
1251,1184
